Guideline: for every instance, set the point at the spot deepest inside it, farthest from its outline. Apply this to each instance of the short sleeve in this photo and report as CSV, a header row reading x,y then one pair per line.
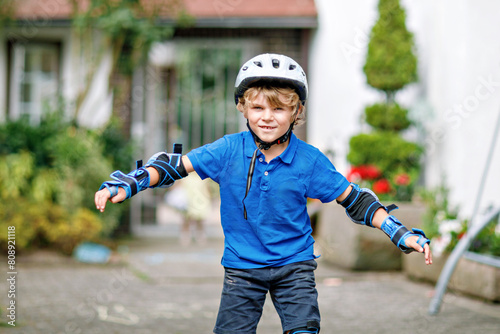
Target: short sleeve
x,y
326,183
208,160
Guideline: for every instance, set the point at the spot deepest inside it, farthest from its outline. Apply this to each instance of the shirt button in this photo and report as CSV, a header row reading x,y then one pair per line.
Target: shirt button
x,y
260,159
266,173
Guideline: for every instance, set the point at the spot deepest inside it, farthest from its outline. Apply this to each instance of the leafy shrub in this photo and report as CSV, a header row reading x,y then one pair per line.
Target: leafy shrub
x,y
65,230
445,229
386,150
48,175
390,65
488,240
387,117
390,61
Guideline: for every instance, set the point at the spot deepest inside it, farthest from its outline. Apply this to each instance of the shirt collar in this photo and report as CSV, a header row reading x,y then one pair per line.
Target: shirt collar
x,y
249,147
289,153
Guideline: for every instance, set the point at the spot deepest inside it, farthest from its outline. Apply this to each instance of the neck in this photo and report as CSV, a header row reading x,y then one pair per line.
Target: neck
x,y
273,151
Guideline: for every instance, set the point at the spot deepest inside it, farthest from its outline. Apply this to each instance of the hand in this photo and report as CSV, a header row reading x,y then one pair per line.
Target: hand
x,y
102,196
411,242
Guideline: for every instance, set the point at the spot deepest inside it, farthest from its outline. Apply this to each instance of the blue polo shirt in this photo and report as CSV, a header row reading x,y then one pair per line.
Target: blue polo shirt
x,y
277,230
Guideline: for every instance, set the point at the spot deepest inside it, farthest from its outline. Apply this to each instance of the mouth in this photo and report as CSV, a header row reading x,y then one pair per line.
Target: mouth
x,y
267,128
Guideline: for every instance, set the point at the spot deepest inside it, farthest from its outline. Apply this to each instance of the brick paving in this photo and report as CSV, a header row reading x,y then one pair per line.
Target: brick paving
x,y
162,287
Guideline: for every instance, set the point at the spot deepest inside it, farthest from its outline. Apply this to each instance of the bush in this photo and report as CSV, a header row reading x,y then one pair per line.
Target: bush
x,y
445,229
65,231
390,65
386,150
387,117
48,175
390,61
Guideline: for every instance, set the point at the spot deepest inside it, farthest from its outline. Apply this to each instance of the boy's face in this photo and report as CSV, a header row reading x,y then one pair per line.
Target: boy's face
x,y
268,122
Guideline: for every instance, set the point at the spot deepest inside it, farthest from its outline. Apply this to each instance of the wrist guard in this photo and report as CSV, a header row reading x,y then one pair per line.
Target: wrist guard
x,y
169,167
133,182
398,234
361,204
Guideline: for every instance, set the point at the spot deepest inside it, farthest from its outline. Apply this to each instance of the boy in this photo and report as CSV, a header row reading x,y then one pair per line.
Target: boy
x,y
265,176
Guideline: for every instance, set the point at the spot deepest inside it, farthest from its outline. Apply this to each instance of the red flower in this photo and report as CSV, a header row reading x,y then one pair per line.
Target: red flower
x,y
363,172
353,176
381,186
369,172
402,179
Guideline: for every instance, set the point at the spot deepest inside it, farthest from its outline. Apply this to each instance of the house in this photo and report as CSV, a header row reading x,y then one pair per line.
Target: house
x,y
184,92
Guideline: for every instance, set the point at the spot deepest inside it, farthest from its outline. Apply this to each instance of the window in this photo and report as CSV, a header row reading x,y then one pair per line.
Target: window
x,y
34,79
200,94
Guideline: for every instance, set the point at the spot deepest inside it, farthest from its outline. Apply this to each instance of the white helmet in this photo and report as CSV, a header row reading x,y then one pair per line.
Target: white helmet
x,y
274,68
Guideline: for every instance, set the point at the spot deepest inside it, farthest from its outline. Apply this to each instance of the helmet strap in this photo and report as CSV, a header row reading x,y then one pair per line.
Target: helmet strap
x,y
263,145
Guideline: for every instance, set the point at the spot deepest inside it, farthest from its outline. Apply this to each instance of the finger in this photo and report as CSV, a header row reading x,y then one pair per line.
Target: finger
x,y
101,197
428,254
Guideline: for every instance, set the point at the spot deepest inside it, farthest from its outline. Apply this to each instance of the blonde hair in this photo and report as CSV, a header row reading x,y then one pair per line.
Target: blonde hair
x,y
276,97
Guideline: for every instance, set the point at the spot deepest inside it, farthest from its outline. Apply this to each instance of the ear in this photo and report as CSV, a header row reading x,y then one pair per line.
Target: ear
x,y
242,109
298,111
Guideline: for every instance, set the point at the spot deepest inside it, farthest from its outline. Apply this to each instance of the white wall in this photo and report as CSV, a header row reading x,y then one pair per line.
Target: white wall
x,y
338,92
457,99
462,83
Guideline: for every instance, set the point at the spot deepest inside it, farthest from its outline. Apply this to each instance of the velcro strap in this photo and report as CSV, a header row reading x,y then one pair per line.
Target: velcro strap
x,y
391,207
399,235
167,173
128,180
132,182
168,166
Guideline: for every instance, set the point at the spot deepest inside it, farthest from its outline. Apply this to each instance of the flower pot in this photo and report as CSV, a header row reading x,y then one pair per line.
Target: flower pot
x,y
356,247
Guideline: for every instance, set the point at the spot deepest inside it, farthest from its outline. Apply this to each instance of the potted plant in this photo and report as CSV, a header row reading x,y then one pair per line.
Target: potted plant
x,y
390,65
476,273
381,160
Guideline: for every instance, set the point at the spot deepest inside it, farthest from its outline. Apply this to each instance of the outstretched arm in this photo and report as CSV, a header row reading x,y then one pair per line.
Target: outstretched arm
x,y
104,195
381,217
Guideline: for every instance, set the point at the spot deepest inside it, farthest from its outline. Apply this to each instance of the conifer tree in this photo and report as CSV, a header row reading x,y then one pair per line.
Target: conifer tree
x,y
390,63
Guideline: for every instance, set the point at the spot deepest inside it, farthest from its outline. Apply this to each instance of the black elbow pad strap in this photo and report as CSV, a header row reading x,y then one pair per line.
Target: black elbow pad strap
x,y
361,204
169,167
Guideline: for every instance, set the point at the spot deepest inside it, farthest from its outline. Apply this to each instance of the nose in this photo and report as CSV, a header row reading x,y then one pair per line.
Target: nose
x,y
267,115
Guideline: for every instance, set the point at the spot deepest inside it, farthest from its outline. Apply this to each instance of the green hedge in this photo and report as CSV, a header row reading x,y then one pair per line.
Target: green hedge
x,y
386,150
387,117
48,176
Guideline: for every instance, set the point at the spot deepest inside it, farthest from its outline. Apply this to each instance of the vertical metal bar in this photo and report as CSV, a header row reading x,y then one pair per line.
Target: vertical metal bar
x,y
485,172
473,230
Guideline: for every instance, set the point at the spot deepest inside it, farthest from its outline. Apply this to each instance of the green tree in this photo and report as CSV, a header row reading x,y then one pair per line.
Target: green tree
x,y
129,28
390,63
